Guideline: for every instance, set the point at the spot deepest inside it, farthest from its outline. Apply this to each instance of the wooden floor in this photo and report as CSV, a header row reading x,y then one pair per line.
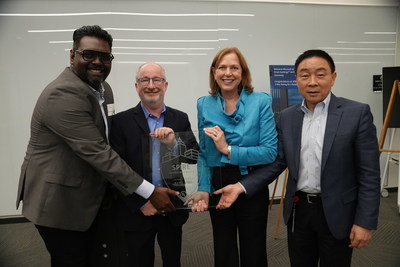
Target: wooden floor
x,y
21,246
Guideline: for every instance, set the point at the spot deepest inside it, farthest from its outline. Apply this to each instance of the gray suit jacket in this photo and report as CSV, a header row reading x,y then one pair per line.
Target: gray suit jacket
x,y
350,175
68,160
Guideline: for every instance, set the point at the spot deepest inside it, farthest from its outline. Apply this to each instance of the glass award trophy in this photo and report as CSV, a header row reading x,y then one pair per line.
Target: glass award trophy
x,y
178,165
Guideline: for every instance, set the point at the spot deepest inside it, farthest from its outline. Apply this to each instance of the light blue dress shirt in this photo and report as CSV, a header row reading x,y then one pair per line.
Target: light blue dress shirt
x,y
249,130
153,122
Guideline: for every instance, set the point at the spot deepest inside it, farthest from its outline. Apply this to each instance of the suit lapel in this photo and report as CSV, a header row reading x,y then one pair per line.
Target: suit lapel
x,y
139,117
296,134
142,134
332,123
168,118
108,105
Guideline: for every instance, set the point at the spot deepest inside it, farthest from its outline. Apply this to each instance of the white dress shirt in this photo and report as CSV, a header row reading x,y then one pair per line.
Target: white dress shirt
x,y
312,139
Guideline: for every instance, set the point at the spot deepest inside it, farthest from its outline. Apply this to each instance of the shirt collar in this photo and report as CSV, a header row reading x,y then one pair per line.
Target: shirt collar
x,y
147,113
324,103
100,92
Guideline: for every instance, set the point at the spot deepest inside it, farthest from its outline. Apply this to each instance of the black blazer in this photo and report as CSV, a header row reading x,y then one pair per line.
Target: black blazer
x,y
129,137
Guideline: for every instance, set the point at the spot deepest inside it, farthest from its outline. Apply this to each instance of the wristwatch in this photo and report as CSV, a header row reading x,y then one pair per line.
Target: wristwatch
x,y
229,152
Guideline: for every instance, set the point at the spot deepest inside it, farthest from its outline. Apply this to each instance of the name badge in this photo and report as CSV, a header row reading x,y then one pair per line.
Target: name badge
x,y
110,109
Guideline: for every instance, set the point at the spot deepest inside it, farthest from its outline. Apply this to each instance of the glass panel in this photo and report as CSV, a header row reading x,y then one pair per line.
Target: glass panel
x,y
178,165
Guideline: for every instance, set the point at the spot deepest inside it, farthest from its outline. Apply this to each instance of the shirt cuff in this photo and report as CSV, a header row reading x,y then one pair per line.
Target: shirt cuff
x,y
145,189
244,189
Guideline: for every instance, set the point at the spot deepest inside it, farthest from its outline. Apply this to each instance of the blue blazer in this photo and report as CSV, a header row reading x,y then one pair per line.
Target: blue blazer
x,y
249,130
350,174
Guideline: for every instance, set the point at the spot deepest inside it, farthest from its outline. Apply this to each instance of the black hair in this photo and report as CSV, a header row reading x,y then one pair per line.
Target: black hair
x,y
95,31
315,53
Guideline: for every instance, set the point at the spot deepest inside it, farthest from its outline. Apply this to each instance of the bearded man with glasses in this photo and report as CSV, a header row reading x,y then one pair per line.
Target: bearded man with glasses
x,y
69,165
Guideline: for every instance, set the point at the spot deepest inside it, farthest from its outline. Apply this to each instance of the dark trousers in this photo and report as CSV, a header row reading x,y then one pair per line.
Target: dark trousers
x,y
311,242
85,249
140,244
246,218
67,248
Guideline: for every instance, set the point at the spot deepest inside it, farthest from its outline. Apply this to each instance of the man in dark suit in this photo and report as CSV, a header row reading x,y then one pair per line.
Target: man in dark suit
x,y
68,164
330,147
130,137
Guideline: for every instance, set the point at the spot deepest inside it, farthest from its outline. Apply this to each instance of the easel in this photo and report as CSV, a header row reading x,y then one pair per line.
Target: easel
x,y
280,202
396,87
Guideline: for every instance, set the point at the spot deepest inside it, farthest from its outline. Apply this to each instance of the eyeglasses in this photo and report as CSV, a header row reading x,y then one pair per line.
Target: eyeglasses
x,y
156,81
90,55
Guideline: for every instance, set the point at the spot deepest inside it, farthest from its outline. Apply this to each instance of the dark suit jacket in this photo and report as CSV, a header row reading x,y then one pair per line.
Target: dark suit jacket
x,y
68,161
350,175
130,138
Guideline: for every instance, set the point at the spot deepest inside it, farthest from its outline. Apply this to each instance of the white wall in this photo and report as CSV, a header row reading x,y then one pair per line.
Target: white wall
x,y
268,34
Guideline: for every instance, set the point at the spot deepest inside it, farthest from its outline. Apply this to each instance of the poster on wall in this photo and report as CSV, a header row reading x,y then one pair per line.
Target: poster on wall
x,y
389,75
377,83
284,89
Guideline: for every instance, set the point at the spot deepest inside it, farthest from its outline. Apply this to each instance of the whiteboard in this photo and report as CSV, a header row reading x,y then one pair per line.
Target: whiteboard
x,y
184,36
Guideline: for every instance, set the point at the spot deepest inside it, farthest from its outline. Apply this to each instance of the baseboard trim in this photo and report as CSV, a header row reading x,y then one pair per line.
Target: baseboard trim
x,y
22,219
276,201
392,189
13,219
